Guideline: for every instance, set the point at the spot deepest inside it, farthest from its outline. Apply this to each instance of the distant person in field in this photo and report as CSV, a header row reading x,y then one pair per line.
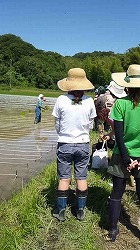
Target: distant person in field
x,y
39,106
74,113
125,160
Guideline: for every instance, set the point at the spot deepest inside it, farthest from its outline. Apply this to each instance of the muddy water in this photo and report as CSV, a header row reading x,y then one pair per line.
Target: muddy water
x,y
25,147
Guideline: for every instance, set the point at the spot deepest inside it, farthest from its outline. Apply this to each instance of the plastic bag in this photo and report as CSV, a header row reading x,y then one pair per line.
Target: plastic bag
x,y
100,158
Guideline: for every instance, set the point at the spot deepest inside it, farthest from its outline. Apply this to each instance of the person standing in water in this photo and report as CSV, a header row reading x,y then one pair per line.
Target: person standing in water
x,y
39,106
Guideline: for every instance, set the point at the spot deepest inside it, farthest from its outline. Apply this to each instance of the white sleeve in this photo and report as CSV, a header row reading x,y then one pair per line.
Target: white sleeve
x,y
56,114
56,111
92,114
57,125
93,111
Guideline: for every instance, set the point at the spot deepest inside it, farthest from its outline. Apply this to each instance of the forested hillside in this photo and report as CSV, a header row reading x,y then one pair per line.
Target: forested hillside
x,y
22,65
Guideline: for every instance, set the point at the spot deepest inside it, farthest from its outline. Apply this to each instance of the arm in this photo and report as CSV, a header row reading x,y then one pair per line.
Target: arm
x,y
43,108
111,133
57,125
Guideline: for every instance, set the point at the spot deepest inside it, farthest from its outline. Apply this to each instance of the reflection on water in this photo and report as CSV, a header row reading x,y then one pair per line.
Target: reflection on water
x,y
24,146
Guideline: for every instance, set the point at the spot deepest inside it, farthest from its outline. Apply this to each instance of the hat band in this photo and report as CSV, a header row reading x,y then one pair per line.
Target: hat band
x,y
127,77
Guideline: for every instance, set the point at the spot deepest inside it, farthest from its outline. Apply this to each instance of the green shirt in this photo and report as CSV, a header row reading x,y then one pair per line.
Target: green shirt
x,y
39,103
123,110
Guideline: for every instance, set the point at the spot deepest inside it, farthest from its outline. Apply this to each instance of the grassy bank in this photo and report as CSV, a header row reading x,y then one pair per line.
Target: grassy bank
x,y
35,92
30,92
26,221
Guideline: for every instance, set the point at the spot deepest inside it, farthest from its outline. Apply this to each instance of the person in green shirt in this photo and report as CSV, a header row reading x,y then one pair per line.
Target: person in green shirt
x,y
125,160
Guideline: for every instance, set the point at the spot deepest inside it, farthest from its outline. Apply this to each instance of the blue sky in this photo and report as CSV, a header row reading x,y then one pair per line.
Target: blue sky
x,y
72,26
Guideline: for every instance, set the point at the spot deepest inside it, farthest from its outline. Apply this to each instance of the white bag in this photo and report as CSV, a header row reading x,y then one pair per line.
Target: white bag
x,y
100,158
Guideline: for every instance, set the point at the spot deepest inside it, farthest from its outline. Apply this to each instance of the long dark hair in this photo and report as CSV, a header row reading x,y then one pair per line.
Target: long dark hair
x,y
134,94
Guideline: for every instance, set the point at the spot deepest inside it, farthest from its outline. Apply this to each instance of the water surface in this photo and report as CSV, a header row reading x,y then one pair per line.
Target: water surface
x,y
25,147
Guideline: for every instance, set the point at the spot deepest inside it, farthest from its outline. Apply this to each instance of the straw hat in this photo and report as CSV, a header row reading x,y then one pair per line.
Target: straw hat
x,y
116,90
129,79
76,80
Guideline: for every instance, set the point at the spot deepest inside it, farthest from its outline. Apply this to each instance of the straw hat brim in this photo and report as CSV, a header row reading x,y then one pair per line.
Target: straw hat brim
x,y
74,84
119,79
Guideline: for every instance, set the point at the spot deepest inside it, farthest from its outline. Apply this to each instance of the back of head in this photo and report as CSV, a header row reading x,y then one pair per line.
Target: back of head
x,y
116,90
76,80
101,90
101,107
100,102
40,96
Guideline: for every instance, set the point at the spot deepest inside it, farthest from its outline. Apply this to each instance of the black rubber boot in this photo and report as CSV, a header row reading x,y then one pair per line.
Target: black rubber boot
x,y
114,214
80,203
61,203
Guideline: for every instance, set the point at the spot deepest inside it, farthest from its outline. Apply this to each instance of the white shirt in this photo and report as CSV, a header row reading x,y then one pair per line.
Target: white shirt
x,y
73,121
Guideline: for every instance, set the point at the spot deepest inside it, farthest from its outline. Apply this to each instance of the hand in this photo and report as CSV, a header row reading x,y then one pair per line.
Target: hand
x,y
104,137
126,160
138,165
133,164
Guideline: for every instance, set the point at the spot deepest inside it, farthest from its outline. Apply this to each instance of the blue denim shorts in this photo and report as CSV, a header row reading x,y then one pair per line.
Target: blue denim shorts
x,y
76,154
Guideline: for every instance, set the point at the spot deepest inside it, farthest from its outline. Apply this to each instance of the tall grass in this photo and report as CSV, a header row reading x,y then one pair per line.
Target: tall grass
x,y
21,216
26,221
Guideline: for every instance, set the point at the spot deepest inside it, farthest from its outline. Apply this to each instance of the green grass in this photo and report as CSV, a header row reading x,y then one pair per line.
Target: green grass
x,y
26,222
34,92
31,92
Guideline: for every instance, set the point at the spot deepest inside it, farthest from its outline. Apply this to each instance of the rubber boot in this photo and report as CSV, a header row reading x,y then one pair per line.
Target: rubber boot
x,y
61,203
80,203
114,214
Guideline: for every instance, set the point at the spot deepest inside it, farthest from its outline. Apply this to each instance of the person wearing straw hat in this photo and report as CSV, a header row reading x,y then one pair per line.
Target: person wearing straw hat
x,y
125,160
74,112
38,108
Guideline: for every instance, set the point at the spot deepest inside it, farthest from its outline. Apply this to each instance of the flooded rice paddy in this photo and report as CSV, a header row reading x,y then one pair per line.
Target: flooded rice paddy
x,y
25,147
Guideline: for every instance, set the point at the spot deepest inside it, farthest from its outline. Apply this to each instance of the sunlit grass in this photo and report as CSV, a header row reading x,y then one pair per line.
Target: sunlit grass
x,y
26,222
35,92
31,92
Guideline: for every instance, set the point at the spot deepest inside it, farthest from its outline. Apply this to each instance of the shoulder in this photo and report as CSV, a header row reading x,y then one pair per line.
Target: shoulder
x,y
88,100
121,106
85,97
62,98
122,101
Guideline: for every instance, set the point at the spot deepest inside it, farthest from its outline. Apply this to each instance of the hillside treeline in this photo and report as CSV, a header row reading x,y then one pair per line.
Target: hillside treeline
x,y
22,65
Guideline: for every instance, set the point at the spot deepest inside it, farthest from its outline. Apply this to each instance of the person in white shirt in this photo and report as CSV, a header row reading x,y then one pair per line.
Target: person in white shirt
x,y
74,113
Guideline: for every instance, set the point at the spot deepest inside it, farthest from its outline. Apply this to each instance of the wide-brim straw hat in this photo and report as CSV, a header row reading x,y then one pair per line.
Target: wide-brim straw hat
x,y
76,80
129,79
116,90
